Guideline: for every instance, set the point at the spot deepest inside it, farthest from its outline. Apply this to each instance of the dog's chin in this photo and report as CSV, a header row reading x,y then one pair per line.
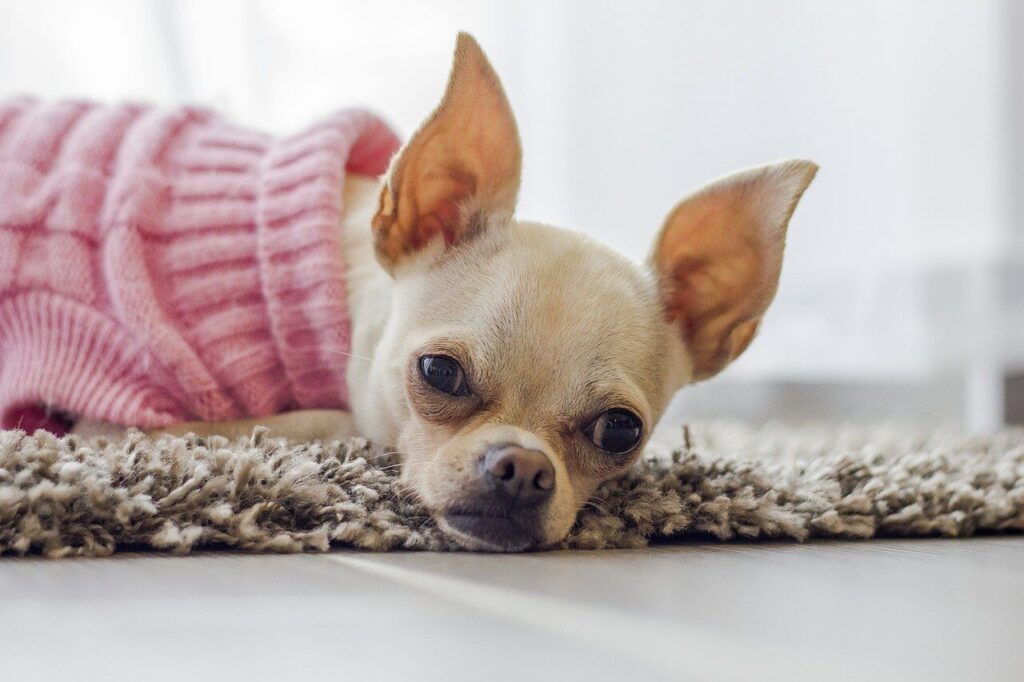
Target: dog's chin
x,y
484,533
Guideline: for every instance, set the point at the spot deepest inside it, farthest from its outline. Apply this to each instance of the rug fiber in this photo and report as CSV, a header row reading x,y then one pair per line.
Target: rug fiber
x,y
71,497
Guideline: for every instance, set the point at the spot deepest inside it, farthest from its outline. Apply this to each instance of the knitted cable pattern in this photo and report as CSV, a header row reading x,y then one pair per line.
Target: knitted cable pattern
x,y
162,266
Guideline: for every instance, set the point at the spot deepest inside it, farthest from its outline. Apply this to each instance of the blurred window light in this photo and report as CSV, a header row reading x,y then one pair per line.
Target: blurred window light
x,y
901,263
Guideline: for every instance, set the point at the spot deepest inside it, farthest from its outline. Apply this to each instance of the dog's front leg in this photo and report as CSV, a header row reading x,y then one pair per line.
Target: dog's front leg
x,y
298,425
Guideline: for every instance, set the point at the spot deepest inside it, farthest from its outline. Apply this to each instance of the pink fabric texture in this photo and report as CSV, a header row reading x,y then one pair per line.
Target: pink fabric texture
x,y
162,266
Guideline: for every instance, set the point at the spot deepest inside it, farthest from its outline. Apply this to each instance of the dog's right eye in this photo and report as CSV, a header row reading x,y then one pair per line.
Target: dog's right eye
x,y
444,374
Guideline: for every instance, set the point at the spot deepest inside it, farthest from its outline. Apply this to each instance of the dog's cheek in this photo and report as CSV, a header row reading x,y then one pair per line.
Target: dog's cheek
x,y
433,465
565,508
415,449
561,517
562,509
584,490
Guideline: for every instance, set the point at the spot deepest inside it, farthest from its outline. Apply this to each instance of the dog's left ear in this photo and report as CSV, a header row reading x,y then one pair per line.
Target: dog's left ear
x,y
460,169
718,259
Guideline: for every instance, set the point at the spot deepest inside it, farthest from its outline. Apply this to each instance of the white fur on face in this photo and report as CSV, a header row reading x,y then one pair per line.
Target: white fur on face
x,y
552,329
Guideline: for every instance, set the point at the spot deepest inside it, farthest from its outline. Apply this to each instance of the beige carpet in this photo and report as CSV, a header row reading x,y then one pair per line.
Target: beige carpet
x,y
65,497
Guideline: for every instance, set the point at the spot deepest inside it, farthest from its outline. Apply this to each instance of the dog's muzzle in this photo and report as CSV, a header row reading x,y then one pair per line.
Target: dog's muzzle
x,y
505,513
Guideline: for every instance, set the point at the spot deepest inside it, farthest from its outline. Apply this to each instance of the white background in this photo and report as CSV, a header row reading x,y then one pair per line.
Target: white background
x,y
902,256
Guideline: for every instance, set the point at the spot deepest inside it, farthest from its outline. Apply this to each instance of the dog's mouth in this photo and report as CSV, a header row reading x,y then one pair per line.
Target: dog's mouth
x,y
488,532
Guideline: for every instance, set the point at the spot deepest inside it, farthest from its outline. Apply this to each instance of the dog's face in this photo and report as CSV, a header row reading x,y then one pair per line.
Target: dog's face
x,y
529,364
534,363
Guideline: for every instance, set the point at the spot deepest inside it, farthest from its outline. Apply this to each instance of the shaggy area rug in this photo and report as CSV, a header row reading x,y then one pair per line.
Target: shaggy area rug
x,y
71,497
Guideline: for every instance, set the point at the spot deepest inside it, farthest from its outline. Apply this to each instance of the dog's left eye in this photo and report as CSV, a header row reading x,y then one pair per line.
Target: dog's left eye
x,y
444,374
615,431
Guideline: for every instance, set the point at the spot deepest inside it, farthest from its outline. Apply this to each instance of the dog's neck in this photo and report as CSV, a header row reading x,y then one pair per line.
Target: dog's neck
x,y
370,305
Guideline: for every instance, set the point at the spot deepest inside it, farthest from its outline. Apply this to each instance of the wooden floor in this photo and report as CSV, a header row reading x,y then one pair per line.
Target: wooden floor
x,y
897,610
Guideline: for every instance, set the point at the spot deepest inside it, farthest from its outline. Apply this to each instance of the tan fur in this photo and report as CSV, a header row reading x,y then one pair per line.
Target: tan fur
x,y
465,156
551,327
719,255
554,329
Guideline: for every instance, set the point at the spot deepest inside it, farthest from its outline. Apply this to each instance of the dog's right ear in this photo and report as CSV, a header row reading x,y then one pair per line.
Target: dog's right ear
x,y
459,171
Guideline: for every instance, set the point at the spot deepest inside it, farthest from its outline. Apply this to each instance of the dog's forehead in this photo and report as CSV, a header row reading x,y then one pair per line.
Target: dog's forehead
x,y
554,312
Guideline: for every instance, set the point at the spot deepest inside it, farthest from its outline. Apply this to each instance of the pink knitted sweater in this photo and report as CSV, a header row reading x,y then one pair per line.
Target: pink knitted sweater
x,y
164,266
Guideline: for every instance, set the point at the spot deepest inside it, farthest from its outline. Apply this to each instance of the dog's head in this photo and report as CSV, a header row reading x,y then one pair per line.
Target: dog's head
x,y
530,363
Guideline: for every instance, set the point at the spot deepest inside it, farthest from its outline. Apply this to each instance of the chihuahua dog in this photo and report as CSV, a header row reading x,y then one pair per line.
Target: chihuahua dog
x,y
516,365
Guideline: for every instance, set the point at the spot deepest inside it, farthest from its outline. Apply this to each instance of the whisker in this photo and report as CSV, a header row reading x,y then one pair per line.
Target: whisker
x,y
384,456
598,503
350,355
409,497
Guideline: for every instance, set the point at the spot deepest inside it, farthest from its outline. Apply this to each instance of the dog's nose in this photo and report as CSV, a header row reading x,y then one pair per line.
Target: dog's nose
x,y
525,477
